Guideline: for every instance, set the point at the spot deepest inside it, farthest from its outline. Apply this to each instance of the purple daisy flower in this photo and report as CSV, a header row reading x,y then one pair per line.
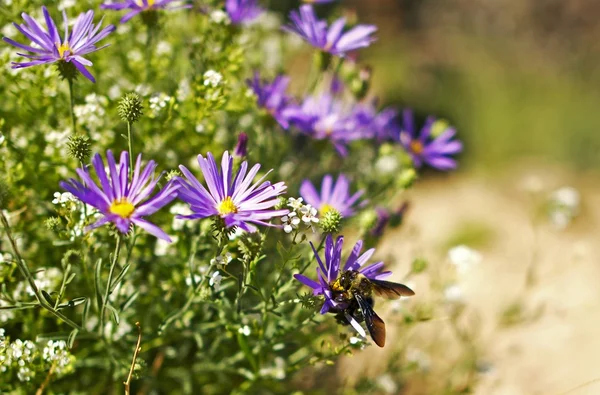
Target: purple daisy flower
x,y
333,196
329,39
325,117
238,202
47,46
329,271
137,6
424,148
242,11
272,96
117,198
380,126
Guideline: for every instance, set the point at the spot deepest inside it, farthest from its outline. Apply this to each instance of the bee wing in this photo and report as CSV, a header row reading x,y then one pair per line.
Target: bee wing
x,y
391,290
375,325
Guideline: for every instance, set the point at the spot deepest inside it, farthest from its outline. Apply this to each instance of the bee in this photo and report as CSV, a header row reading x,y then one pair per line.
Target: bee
x,y
354,290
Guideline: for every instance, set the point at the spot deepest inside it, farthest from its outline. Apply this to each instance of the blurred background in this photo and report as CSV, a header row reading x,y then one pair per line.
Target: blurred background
x,y
520,81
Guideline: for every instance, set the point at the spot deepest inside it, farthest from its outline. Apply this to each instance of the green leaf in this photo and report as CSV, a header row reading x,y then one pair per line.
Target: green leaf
x,y
246,350
72,337
98,282
119,277
130,300
86,311
71,277
114,314
48,298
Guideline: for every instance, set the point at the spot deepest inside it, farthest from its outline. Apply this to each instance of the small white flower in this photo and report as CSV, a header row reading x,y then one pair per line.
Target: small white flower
x,y
464,258
453,293
290,222
200,128
2,138
188,280
215,281
567,196
355,340
387,384
220,17
295,204
221,259
245,330
163,48
212,78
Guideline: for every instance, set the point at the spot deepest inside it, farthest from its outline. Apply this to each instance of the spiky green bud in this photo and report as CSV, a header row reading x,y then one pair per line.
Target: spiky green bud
x,y
282,203
80,148
53,224
130,107
331,221
67,70
172,174
72,257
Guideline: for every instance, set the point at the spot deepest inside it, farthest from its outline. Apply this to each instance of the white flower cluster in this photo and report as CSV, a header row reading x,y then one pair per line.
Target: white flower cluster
x,y
299,213
212,78
157,103
564,206
215,281
219,17
21,353
55,352
222,259
464,258
93,112
277,371
63,198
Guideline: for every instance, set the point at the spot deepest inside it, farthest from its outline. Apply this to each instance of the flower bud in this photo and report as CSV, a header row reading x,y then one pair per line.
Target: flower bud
x,y
53,224
361,83
130,108
80,148
67,70
407,178
330,222
241,149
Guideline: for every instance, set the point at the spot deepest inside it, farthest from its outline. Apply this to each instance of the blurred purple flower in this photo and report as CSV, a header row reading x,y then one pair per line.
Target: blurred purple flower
x,y
118,198
333,196
434,151
47,47
380,126
242,11
329,39
328,272
324,117
241,148
385,217
137,6
271,96
238,202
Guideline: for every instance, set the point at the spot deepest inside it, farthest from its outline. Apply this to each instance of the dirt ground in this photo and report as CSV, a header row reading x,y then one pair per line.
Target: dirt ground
x,y
553,347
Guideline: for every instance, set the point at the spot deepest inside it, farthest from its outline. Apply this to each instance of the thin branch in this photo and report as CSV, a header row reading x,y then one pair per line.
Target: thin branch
x,y
135,355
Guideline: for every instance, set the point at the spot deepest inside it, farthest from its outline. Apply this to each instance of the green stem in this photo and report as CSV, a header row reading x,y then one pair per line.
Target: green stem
x,y
24,269
72,99
130,149
108,283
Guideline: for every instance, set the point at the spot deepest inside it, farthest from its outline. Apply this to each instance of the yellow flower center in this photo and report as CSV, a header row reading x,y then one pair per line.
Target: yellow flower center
x,y
62,48
123,208
416,147
325,208
227,206
141,3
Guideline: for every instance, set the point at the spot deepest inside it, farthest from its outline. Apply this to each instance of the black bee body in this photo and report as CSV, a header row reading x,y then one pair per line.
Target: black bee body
x,y
353,290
